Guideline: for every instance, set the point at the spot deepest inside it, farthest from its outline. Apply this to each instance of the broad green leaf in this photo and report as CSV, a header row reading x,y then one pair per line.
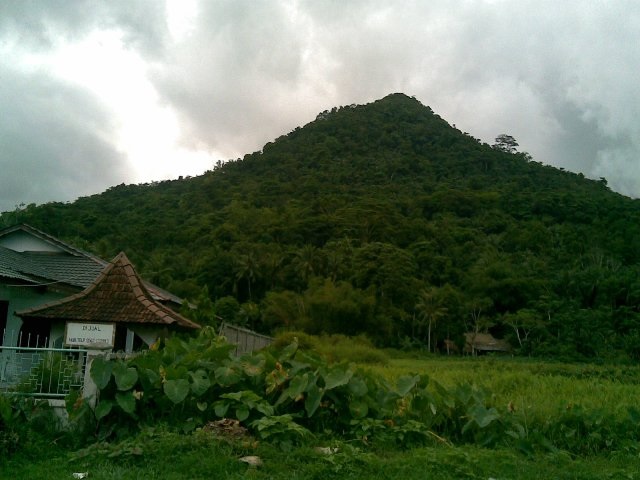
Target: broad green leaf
x,y
421,401
126,401
101,372
176,390
126,377
406,383
386,399
202,406
189,425
221,409
103,409
487,417
226,375
149,379
72,403
358,387
296,388
264,408
336,377
358,409
253,365
312,402
242,413
289,351
424,381
296,366
200,382
275,379
244,396
298,385
483,416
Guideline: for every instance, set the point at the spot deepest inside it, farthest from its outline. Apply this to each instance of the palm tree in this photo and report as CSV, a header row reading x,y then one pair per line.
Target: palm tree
x,y
273,264
246,269
430,311
306,261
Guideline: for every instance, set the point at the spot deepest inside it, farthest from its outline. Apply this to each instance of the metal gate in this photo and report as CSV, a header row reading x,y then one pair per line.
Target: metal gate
x,y
41,371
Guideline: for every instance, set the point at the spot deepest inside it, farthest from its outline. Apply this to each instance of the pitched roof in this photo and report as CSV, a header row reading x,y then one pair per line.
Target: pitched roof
x,y
67,265
117,295
46,238
485,342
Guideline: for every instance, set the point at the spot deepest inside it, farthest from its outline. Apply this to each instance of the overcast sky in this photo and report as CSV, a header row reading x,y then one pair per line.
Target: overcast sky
x,y
97,93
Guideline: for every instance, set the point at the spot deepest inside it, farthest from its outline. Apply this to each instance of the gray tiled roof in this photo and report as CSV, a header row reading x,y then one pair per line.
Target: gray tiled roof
x,y
70,269
75,270
8,273
71,266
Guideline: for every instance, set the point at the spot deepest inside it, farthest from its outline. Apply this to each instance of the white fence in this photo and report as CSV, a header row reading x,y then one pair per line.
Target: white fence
x,y
246,341
40,371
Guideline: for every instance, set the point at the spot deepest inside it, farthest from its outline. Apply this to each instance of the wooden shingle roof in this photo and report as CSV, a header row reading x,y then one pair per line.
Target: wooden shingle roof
x,y
117,295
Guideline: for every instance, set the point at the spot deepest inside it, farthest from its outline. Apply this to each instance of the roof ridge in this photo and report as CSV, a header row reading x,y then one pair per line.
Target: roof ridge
x,y
124,294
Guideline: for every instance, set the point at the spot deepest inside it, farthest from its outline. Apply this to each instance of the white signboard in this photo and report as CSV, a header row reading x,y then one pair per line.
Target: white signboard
x,y
92,335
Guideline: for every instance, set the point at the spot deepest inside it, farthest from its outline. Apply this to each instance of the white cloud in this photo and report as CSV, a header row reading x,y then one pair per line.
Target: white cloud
x,y
54,141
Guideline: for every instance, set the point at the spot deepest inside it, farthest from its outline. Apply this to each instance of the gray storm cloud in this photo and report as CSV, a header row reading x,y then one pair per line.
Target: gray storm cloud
x,y
41,24
559,76
55,142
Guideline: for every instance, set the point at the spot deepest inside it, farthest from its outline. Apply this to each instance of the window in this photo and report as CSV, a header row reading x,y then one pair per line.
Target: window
x,y
34,334
127,341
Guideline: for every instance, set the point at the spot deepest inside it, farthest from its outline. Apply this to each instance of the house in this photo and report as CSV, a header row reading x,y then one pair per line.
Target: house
x,y
49,289
476,343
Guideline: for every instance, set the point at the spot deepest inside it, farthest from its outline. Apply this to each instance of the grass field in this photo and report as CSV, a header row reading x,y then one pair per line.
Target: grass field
x,y
173,456
542,392
540,389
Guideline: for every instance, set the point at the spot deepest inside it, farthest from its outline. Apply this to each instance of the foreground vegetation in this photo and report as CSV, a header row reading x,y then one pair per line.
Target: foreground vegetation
x,y
383,219
163,455
188,410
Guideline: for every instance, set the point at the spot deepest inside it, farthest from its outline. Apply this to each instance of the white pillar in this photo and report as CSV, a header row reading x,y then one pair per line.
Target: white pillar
x,y
90,389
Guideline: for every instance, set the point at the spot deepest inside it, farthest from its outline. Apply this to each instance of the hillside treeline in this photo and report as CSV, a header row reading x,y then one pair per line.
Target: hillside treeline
x,y
385,220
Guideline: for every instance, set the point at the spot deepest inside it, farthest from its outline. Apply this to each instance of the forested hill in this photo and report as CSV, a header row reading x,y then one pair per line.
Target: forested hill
x,y
382,219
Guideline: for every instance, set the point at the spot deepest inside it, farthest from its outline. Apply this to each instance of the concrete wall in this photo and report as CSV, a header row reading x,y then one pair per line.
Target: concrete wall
x,y
20,241
20,298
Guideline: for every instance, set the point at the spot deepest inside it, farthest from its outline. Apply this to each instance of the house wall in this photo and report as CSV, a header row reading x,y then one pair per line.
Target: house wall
x,y
20,241
20,298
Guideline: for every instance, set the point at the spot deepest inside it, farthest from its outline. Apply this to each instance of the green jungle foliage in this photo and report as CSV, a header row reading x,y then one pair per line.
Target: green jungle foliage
x,y
384,220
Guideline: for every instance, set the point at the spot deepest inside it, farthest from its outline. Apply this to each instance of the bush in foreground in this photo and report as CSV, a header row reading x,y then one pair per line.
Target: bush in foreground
x,y
288,396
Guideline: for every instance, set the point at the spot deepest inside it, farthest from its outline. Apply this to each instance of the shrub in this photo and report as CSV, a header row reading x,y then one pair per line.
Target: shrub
x,y
304,340
25,420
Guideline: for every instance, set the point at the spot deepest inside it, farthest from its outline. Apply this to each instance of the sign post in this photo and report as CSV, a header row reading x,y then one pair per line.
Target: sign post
x,y
90,335
97,338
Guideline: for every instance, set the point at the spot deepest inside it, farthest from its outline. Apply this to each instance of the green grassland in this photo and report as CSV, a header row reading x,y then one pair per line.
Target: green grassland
x,y
542,390
173,456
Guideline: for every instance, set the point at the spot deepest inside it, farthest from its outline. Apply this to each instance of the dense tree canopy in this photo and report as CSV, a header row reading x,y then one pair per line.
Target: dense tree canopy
x,y
384,219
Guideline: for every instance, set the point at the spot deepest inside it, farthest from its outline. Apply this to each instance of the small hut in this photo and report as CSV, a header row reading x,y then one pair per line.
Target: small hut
x,y
476,343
